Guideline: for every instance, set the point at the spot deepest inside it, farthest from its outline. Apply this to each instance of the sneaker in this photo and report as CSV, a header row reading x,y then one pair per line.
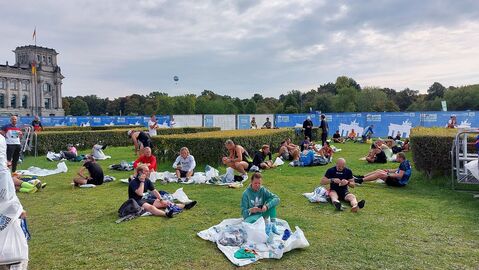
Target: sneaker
x,y
179,179
361,204
358,180
190,205
187,179
44,185
338,206
37,183
170,214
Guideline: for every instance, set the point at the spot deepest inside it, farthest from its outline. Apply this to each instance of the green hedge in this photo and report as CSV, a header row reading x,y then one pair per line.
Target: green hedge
x,y
78,128
208,147
431,148
58,140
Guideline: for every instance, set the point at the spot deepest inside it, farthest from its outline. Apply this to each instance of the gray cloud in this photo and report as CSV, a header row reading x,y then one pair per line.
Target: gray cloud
x,y
112,48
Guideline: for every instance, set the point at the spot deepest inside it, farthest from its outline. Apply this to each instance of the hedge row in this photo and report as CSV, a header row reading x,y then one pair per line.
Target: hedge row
x,y
78,128
208,147
431,149
58,140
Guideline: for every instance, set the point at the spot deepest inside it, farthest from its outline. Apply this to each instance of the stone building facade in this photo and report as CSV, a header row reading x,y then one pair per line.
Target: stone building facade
x,y
28,91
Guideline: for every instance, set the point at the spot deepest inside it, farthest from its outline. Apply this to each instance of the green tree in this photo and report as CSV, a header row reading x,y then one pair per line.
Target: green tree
x,y
435,90
96,105
250,107
345,101
346,82
78,107
185,104
324,102
66,106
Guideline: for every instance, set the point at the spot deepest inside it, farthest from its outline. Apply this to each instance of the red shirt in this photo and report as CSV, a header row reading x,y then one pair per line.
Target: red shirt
x,y
144,159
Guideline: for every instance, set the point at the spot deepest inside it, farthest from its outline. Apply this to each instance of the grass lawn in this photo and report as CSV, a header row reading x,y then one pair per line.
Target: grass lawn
x,y
422,226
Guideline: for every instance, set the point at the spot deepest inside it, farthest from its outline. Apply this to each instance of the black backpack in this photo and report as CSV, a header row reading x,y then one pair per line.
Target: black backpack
x,y
130,207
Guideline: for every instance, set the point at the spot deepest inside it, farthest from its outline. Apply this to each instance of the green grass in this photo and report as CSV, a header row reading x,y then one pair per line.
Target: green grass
x,y
422,226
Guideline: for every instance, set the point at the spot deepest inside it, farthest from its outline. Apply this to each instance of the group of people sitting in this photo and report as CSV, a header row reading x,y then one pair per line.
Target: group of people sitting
x,y
383,151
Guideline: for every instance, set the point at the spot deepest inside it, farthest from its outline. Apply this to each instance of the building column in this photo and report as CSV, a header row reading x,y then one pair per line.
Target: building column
x,y
7,98
59,96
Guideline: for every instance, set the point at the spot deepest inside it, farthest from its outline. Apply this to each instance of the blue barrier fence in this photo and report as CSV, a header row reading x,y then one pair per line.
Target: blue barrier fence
x,y
385,124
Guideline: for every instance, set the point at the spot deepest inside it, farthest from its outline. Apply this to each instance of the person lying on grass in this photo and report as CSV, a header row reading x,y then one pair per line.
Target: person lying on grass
x,y
184,164
140,139
260,161
157,207
258,201
146,158
340,178
392,177
95,173
238,158
288,152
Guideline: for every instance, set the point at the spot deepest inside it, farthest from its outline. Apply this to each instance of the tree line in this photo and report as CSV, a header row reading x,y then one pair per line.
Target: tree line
x,y
343,95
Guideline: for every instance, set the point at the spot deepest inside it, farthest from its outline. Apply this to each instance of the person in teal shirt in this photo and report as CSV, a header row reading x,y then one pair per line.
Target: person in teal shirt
x,y
258,202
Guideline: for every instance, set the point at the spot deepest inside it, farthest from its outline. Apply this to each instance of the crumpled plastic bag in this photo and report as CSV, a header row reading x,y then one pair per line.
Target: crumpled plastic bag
x,y
211,172
320,194
278,162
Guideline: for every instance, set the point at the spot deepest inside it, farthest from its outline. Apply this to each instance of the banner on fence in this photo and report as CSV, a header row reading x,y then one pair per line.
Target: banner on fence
x,y
244,120
193,120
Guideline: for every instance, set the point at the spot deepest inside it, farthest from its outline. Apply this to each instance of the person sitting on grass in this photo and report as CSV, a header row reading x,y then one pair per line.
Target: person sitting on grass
x,y
260,161
157,207
146,158
305,144
340,178
352,135
71,152
326,151
140,139
238,158
184,165
337,137
95,173
258,201
376,154
288,152
392,177
405,146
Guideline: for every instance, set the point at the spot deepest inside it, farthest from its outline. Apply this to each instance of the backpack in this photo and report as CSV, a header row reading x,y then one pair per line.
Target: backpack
x,y
130,207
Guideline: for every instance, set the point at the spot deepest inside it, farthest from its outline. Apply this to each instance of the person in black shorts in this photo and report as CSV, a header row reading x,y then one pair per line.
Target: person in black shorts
x,y
95,173
140,139
157,207
392,177
340,178
260,161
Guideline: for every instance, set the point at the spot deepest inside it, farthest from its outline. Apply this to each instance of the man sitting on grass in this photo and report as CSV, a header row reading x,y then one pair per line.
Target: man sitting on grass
x,y
339,178
392,177
260,161
157,207
95,173
238,158
337,137
288,152
258,201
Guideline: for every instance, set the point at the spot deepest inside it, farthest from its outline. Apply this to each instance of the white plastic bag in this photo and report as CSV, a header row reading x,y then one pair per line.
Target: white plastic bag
x,y
278,162
211,172
181,196
13,244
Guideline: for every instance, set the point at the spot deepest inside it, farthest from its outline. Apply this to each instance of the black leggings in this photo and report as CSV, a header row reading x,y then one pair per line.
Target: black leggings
x,y
13,154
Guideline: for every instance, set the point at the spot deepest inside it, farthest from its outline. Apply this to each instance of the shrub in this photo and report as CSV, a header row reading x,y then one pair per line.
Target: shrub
x,y
431,149
208,147
78,128
85,139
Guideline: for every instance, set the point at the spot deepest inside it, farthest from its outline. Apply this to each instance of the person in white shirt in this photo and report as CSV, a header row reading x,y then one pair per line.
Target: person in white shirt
x,y
152,125
184,164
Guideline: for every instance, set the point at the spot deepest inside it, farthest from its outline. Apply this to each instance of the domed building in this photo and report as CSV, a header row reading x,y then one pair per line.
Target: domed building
x,y
33,85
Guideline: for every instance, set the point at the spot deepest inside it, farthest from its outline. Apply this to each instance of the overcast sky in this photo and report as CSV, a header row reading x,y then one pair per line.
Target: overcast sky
x,y
115,48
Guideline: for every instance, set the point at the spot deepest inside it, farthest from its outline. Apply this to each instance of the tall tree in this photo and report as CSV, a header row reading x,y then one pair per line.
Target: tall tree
x,y
435,90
